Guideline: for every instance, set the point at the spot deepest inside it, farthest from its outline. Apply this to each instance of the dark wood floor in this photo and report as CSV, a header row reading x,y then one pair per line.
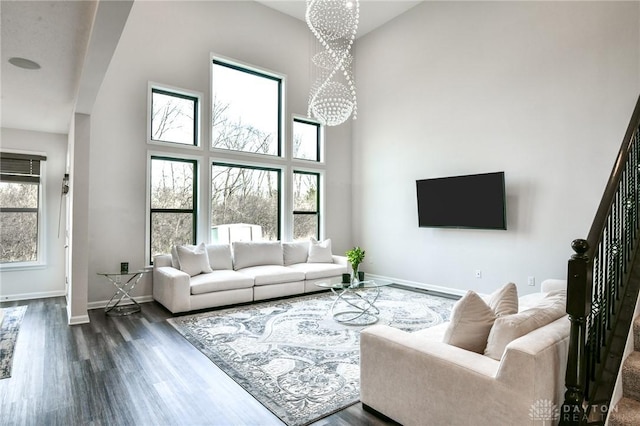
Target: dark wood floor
x,y
134,370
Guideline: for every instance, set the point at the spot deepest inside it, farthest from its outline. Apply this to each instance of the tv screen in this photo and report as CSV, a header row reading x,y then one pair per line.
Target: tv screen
x,y
470,201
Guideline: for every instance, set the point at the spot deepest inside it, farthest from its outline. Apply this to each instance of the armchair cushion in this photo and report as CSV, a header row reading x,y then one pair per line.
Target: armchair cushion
x,y
470,323
510,327
504,301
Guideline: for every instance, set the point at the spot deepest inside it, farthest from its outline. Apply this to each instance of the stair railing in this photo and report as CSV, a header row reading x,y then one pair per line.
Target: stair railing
x,y
599,291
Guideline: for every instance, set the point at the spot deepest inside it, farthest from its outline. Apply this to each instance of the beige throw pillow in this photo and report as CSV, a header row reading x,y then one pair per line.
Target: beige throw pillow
x,y
470,323
510,327
193,260
504,301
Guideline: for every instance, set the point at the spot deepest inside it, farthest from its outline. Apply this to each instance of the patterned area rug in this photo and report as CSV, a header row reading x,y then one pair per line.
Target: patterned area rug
x,y
292,356
8,337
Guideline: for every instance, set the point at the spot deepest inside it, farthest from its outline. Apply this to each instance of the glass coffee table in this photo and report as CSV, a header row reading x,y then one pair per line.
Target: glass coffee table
x,y
360,304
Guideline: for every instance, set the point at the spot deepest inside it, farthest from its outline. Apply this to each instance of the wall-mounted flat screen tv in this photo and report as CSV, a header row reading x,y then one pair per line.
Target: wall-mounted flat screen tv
x,y
470,201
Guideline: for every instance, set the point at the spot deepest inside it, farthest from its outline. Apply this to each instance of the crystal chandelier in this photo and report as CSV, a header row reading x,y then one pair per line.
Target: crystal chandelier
x,y
333,93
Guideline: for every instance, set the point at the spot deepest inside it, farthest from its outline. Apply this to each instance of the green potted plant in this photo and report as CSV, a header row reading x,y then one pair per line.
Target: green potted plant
x,y
355,256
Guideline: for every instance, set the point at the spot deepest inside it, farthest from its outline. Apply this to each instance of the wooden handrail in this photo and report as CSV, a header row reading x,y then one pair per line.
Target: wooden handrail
x,y
597,226
598,283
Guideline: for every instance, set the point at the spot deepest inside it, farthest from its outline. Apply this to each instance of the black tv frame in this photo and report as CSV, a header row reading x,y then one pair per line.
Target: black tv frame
x,y
461,202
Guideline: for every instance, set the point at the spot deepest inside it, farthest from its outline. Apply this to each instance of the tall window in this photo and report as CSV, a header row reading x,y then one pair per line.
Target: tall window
x,y
19,207
246,109
244,195
174,116
306,140
306,209
173,203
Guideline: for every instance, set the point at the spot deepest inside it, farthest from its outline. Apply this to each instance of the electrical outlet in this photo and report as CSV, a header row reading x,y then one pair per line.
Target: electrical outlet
x,y
118,278
478,273
531,281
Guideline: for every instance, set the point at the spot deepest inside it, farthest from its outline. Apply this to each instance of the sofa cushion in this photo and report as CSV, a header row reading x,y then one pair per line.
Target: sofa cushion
x,y
219,280
314,271
246,254
219,256
510,327
470,323
504,301
320,252
272,274
193,260
295,252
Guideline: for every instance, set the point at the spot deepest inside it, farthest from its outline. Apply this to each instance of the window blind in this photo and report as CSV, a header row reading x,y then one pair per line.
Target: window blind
x,y
20,167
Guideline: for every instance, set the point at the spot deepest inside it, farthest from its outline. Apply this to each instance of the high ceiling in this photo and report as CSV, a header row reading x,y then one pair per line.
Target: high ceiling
x,y
73,42
55,35
373,13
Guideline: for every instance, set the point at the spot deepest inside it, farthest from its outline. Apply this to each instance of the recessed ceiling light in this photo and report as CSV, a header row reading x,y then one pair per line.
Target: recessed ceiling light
x,y
24,63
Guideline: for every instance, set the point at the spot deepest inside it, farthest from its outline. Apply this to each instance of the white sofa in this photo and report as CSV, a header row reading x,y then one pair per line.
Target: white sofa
x,y
222,274
416,379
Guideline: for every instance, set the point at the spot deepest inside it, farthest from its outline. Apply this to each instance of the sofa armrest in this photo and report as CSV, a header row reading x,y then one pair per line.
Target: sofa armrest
x,y
539,357
411,379
162,260
553,284
172,288
340,260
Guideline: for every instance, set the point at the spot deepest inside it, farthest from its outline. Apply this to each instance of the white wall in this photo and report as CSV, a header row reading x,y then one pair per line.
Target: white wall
x,y
541,90
170,43
48,280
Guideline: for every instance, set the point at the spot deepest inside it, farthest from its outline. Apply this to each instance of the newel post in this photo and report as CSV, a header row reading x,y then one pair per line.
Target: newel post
x,y
578,307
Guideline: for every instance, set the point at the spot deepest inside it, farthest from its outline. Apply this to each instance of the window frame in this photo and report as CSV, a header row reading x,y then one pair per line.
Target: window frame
x,y
178,93
260,72
318,212
319,139
251,166
41,247
172,156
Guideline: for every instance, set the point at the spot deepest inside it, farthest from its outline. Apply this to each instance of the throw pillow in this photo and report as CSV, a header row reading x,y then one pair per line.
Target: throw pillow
x,y
193,260
510,327
504,301
295,252
470,323
320,252
175,262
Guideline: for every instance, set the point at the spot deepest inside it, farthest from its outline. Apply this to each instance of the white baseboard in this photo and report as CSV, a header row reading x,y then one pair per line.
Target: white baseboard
x,y
100,304
78,319
422,286
29,296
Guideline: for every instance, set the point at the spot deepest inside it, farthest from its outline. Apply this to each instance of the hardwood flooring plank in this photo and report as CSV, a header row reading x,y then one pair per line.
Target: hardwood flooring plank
x,y
132,370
